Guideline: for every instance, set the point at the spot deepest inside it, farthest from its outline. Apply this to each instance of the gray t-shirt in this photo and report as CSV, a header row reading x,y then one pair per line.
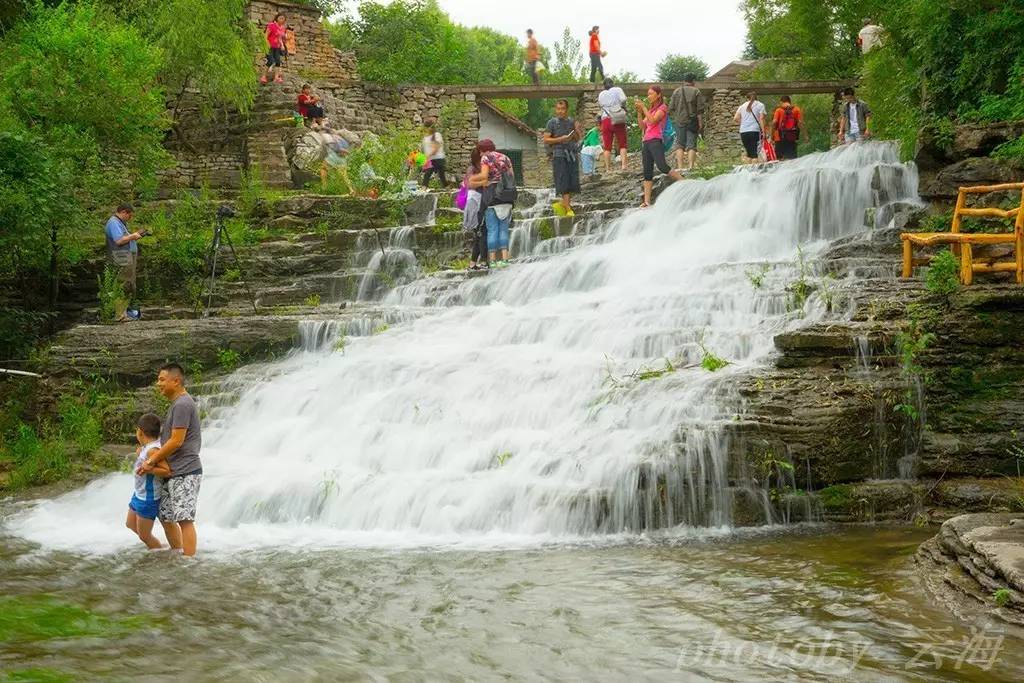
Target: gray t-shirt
x,y
557,128
183,413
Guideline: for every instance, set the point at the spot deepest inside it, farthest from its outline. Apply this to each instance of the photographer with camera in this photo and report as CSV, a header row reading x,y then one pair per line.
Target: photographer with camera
x,y
123,255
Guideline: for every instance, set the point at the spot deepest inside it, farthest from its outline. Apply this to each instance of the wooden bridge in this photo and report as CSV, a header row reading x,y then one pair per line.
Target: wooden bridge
x,y
568,90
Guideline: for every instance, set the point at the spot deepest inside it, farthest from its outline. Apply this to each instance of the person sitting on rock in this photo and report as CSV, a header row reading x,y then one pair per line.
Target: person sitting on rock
x,y
309,107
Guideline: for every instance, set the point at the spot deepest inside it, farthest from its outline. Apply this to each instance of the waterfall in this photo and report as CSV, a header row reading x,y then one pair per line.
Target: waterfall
x,y
389,265
557,399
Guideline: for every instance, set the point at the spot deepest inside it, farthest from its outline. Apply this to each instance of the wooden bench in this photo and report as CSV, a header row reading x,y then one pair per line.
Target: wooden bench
x,y
962,243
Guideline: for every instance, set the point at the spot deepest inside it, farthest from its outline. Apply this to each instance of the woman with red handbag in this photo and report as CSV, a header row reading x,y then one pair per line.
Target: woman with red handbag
x,y
750,117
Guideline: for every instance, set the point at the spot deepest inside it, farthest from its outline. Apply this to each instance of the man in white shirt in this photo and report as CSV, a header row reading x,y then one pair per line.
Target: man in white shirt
x,y
614,117
433,150
870,36
855,122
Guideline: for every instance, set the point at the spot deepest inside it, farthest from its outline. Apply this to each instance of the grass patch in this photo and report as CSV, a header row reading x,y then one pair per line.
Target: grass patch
x,y
709,171
38,675
42,617
43,449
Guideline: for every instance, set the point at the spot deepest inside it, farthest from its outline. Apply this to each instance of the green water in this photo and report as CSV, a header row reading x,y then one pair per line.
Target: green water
x,y
814,604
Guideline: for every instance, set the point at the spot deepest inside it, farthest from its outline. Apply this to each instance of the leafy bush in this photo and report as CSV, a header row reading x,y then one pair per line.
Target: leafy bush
x,y
175,256
709,361
228,359
19,331
943,276
110,292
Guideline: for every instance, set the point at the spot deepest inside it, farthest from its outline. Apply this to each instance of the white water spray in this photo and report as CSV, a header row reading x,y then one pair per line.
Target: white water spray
x,y
519,414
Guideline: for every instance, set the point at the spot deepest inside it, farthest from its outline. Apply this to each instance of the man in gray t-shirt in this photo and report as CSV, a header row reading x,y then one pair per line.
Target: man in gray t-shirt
x,y
180,439
561,136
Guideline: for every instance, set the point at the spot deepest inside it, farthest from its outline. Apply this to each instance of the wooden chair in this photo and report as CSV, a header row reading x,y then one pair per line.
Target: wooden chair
x,y
963,243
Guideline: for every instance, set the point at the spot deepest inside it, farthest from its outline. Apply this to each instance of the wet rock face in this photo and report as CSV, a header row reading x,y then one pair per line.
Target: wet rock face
x,y
976,564
968,140
839,405
973,171
947,163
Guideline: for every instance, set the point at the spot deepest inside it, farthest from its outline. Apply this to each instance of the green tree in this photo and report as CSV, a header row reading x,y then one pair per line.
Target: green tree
x,y
568,63
819,37
206,47
414,41
675,67
83,124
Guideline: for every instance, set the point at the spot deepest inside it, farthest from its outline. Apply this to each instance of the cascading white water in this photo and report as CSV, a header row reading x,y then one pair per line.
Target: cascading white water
x,y
391,262
520,415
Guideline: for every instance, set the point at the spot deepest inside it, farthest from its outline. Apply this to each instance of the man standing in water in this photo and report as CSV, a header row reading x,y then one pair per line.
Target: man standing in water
x,y
181,439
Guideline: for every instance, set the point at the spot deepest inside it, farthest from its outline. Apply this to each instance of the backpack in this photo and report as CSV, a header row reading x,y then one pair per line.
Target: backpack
x,y
668,135
617,114
505,191
789,129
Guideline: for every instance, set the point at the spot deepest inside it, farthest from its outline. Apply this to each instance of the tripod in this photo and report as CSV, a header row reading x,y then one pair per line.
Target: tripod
x,y
220,231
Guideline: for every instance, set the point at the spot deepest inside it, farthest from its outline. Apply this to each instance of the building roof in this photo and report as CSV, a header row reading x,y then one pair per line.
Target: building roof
x,y
735,69
506,117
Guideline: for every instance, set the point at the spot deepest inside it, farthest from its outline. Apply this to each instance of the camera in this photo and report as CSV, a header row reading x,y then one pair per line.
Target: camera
x,y
225,211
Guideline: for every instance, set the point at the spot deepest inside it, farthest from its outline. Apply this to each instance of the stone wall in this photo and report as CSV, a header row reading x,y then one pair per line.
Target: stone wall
x,y
720,131
207,151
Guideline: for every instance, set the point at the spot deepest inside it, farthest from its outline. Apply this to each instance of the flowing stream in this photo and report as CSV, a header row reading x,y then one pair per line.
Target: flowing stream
x,y
527,480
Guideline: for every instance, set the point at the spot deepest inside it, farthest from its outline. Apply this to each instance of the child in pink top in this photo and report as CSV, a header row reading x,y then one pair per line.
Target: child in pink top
x,y
652,121
275,41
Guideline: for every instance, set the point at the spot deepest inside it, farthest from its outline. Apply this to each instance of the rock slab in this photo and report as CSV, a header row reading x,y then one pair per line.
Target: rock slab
x,y
977,562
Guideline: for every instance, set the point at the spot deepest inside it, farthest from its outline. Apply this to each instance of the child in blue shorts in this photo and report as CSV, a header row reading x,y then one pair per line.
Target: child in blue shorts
x,y
145,502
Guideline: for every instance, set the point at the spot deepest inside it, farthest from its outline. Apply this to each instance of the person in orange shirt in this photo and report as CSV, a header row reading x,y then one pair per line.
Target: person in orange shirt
x,y
787,125
532,56
596,53
289,43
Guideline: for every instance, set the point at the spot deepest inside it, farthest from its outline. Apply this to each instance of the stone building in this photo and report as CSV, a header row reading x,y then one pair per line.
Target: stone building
x,y
517,140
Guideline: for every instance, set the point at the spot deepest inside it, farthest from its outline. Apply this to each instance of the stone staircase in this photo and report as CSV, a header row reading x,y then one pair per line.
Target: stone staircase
x,y
271,125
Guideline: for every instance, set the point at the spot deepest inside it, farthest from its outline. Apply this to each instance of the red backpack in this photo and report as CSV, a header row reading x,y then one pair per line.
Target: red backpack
x,y
789,126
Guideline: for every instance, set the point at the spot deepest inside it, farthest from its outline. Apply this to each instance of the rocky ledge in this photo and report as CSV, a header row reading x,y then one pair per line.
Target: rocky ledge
x,y
129,353
976,562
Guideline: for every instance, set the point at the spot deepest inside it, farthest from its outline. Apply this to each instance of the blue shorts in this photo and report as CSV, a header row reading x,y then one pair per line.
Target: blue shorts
x,y
146,509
